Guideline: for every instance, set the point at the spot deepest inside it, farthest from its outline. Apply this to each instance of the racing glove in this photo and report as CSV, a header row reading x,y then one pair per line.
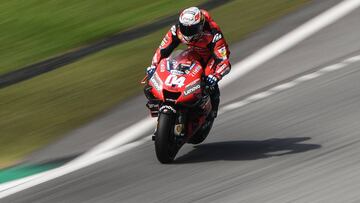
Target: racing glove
x,y
150,71
211,80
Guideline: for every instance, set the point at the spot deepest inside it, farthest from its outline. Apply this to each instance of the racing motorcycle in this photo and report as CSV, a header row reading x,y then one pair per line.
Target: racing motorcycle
x,y
180,99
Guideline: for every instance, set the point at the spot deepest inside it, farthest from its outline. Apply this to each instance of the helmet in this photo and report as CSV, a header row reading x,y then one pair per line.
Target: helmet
x,y
191,23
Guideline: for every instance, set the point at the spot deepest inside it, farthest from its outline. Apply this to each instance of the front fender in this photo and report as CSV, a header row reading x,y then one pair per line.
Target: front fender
x,y
167,109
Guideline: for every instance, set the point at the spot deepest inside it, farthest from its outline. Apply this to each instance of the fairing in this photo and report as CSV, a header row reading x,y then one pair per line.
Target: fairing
x,y
178,79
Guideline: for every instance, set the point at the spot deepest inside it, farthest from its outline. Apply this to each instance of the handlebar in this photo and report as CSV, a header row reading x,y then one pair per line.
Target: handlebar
x,y
143,81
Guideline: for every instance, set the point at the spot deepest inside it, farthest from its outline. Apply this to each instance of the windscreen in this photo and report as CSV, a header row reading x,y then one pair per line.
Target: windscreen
x,y
179,67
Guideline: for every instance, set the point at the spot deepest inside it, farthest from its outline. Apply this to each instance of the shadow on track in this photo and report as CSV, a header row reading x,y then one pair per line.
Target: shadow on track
x,y
54,161
246,150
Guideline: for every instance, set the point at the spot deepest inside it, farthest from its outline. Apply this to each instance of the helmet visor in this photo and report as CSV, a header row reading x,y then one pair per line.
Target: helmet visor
x,y
191,30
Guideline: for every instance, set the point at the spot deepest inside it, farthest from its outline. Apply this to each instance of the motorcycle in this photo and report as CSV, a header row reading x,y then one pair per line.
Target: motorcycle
x,y
179,97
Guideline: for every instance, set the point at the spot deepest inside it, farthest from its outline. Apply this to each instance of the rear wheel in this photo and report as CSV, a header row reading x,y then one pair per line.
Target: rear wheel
x,y
165,145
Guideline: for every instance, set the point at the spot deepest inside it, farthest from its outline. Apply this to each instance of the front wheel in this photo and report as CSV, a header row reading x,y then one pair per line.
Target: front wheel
x,y
165,145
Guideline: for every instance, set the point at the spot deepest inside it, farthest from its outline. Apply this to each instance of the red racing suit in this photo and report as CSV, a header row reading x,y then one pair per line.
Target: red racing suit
x,y
210,46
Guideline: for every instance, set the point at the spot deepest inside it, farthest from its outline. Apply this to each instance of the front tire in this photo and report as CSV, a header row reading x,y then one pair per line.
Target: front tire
x,y
165,145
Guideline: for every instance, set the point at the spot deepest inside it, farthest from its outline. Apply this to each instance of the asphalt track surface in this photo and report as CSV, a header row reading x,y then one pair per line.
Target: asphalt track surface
x,y
300,145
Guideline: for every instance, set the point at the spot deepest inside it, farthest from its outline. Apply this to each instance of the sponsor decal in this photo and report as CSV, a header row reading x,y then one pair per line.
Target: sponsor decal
x,y
190,17
195,70
187,19
217,37
221,68
164,41
192,88
162,67
156,82
177,72
174,63
222,52
170,108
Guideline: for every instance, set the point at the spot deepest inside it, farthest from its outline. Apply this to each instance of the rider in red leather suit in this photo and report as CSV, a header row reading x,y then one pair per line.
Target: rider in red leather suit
x,y
202,35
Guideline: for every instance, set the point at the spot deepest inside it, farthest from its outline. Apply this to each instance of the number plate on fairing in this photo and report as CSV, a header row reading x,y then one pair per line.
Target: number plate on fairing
x,y
174,80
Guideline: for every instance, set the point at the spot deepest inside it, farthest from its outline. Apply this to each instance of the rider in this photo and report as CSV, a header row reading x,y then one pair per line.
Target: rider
x,y
201,34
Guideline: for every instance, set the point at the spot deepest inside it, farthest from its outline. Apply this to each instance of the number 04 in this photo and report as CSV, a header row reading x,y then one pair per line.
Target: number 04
x,y
174,80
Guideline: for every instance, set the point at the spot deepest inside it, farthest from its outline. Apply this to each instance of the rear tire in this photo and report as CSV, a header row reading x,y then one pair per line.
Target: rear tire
x,y
165,145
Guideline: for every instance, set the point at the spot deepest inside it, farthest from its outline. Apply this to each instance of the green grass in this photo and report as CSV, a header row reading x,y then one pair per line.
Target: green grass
x,y
37,111
33,30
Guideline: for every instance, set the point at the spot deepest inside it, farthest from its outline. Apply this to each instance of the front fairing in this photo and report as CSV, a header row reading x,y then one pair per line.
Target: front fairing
x,y
178,83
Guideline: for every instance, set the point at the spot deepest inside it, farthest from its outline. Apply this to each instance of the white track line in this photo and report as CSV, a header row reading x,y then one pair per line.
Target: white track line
x,y
131,133
23,184
285,86
107,148
333,67
291,39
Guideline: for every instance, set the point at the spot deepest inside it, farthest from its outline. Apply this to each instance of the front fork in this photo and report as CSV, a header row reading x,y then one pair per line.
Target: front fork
x,y
180,125
183,128
179,128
